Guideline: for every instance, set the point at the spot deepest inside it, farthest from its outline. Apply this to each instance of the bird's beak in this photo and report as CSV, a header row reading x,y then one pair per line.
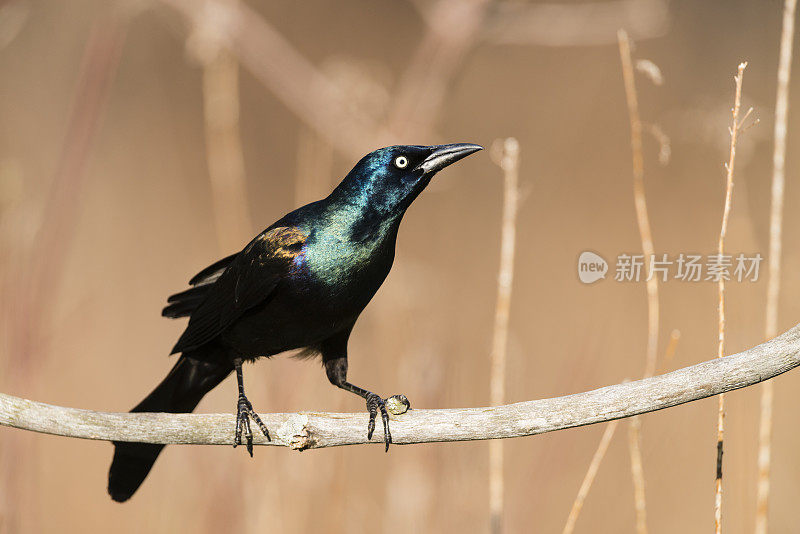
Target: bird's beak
x,y
444,155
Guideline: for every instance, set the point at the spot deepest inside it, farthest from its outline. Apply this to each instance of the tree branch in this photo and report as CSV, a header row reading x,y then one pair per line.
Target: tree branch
x,y
316,430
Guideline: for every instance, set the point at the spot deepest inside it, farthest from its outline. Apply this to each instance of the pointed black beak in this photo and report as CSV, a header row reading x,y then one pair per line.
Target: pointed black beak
x,y
444,155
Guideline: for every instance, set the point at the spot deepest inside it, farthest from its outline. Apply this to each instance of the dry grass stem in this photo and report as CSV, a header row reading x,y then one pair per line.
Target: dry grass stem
x,y
646,238
640,202
736,126
635,448
508,159
775,252
672,347
588,479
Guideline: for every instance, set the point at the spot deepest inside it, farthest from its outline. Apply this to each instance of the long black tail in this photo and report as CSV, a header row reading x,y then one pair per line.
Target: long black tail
x,y
187,383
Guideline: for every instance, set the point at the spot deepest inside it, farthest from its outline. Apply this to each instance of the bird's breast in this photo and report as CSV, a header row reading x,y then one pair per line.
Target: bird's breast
x,y
343,267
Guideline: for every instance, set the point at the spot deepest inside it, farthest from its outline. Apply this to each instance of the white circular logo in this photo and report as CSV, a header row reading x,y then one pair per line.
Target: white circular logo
x,y
591,267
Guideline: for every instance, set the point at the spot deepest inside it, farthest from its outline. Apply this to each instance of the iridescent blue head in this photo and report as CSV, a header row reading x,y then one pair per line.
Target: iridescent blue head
x,y
388,180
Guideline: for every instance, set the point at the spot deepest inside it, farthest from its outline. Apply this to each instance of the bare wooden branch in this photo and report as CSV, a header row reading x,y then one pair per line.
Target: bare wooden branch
x,y
315,430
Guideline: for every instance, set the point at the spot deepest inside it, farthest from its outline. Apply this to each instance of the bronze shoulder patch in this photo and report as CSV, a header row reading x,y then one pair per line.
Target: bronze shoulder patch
x,y
283,242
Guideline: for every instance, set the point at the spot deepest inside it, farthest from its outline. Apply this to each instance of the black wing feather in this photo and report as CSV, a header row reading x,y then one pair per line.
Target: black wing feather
x,y
208,274
184,303
247,281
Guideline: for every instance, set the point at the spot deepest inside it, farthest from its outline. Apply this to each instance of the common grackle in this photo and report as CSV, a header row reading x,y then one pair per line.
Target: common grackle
x,y
300,284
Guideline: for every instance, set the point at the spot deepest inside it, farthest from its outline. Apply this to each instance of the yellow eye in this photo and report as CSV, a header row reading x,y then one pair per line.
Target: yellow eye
x,y
401,162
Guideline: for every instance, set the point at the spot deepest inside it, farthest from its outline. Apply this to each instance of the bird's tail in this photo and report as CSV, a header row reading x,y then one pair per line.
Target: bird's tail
x,y
180,392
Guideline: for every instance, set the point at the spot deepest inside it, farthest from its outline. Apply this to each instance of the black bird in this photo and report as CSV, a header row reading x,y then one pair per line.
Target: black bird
x,y
300,284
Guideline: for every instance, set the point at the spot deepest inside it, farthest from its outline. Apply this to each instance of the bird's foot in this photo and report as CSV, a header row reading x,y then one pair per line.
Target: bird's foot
x,y
397,404
245,411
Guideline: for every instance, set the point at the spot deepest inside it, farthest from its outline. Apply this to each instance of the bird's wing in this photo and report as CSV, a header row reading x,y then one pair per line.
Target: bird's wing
x,y
183,304
212,272
248,280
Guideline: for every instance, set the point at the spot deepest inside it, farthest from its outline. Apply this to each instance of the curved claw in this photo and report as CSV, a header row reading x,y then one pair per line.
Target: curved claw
x,y
387,436
375,403
244,411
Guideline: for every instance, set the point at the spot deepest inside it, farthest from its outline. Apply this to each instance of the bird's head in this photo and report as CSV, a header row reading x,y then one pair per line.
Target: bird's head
x,y
389,179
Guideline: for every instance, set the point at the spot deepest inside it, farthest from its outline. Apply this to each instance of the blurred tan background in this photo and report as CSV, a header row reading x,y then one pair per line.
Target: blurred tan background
x,y
121,176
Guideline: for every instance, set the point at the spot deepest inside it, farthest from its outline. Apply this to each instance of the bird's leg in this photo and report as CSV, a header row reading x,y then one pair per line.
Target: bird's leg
x,y
244,411
336,370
